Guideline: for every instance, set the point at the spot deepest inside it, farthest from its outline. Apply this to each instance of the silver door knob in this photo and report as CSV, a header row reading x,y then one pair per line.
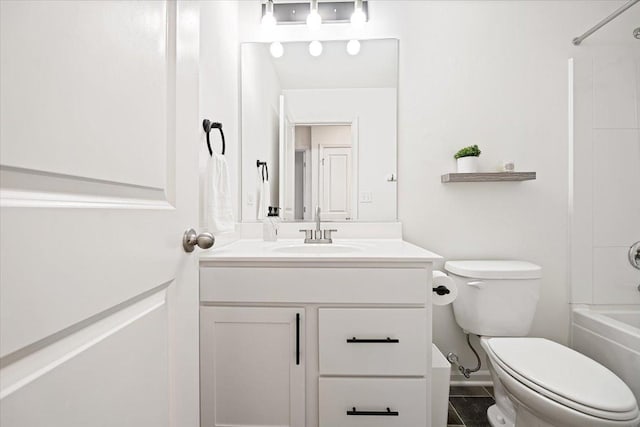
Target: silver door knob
x,y
202,240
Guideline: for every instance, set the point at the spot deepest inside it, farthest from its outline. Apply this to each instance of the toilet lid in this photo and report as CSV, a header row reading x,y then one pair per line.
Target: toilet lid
x,y
494,269
565,373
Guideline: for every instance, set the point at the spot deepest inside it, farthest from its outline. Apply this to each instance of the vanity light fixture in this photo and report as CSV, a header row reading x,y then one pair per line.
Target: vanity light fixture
x,y
314,20
353,47
303,12
358,18
315,48
268,20
276,49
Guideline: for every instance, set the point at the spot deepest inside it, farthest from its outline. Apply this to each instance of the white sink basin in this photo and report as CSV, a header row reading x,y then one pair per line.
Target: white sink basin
x,y
310,248
341,250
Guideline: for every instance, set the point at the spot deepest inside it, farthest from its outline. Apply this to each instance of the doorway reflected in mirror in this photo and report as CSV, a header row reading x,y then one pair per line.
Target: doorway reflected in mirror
x,y
324,172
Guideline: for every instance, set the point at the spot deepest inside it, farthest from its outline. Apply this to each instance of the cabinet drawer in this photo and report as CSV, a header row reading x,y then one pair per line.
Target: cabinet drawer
x,y
373,341
315,285
363,402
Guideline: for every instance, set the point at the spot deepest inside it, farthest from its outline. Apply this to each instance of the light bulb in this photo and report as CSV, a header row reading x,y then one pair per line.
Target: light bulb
x,y
314,20
268,20
358,18
276,49
353,47
315,48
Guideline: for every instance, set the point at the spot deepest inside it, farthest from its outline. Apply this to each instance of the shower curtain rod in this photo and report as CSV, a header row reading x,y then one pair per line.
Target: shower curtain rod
x,y
605,21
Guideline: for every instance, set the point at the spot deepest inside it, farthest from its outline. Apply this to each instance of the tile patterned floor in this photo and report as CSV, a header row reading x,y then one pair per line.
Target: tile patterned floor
x,y
468,406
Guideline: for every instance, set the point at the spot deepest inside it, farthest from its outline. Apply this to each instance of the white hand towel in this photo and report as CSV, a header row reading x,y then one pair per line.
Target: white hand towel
x,y
259,197
266,193
219,205
264,196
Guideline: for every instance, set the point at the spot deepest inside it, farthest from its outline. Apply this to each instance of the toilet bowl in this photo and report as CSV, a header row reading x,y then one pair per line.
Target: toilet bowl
x,y
548,384
537,382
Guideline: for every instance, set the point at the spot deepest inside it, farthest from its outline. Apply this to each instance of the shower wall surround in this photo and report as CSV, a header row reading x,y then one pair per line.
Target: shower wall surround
x,y
605,176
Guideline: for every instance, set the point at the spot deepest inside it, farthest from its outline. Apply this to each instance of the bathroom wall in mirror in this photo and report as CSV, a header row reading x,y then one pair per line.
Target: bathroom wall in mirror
x,y
326,128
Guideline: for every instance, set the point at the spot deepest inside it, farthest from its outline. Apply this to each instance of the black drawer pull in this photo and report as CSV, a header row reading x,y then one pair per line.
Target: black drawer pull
x,y
387,413
367,340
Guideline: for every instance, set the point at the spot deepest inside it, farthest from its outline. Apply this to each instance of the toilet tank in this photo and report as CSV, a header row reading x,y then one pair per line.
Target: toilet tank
x,y
496,298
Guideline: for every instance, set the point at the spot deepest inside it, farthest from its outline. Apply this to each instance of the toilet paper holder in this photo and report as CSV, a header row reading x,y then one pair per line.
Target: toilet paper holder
x,y
441,290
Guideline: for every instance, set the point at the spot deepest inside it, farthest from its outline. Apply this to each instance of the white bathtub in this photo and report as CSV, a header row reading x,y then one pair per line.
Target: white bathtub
x,y
612,337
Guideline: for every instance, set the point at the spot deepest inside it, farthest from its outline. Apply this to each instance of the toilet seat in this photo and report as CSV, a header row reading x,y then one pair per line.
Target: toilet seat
x,y
556,376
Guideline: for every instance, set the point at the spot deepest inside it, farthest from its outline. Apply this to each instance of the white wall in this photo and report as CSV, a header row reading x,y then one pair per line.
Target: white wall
x,y
331,135
495,74
375,112
303,137
260,109
606,174
446,62
219,85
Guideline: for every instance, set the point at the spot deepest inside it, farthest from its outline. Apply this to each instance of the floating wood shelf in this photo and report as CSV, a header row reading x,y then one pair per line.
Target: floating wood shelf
x,y
488,177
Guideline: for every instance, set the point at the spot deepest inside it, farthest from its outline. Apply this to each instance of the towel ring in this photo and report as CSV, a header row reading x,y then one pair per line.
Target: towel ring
x,y
264,168
207,125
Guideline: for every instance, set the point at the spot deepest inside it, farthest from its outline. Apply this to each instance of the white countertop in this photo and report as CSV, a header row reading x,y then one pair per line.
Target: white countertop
x,y
347,250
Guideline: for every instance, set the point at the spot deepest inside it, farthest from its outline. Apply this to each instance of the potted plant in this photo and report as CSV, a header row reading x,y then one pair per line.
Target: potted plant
x,y
467,158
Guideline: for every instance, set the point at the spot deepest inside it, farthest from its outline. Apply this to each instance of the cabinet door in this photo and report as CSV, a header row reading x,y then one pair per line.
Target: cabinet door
x,y
252,366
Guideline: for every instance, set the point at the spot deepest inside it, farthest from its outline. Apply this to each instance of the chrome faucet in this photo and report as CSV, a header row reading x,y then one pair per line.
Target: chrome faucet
x,y
318,235
317,220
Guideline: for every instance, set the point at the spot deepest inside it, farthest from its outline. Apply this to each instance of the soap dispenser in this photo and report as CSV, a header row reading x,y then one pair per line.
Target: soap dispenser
x,y
271,224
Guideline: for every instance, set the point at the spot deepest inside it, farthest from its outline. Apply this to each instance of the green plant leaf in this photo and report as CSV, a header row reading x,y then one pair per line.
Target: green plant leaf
x,y
470,151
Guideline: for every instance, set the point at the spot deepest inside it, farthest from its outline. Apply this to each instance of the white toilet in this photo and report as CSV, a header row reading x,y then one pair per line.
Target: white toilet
x,y
537,382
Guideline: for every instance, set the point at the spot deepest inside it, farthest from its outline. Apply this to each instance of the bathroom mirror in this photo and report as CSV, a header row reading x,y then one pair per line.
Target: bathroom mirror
x,y
319,130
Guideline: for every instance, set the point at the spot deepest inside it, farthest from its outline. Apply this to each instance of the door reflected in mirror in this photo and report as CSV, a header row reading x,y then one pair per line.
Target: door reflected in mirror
x,y
323,151
326,126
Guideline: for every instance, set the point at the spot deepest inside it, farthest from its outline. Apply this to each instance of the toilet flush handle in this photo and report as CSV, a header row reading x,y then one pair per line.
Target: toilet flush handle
x,y
634,255
476,284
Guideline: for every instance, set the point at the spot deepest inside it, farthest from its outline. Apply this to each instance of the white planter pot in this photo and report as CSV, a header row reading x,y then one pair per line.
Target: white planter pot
x,y
468,164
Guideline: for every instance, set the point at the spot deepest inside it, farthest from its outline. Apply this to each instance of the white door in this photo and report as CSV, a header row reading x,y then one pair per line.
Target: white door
x,y
252,364
99,132
286,172
336,183
307,182
299,185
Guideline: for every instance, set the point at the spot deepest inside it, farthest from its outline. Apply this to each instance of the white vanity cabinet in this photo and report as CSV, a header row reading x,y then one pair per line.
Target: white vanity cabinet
x,y
315,342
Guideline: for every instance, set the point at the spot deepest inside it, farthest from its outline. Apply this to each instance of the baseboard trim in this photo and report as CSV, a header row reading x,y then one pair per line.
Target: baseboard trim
x,y
480,378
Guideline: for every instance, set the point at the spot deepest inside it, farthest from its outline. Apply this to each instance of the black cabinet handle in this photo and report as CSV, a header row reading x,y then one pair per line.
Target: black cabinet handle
x,y
297,338
387,413
368,340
